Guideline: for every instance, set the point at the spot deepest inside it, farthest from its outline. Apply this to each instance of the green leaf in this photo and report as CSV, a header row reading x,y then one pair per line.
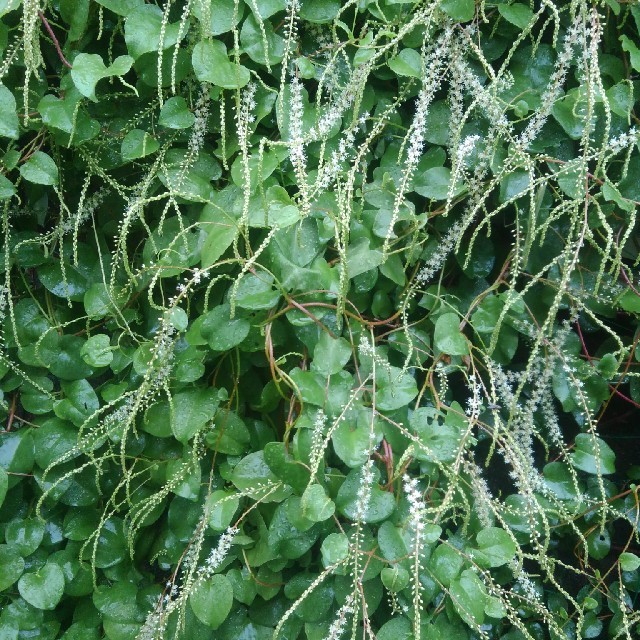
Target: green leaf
x,y
514,184
281,209
630,47
316,505
211,601
459,10
407,63
7,190
351,439
380,506
71,284
395,389
44,588
97,351
11,566
335,548
571,112
143,28
621,98
53,440
518,14
40,169
175,114
495,548
221,229
395,578
252,40
138,144
4,484
435,183
221,507
79,403
319,11
629,561
398,628
445,564
593,455
255,291
16,451
558,478
8,5
8,114
468,594
211,64
173,247
99,301
285,466
191,410
223,15
330,354
121,7
360,258
253,476
441,442
392,544
284,539
229,434
62,356
221,331
58,113
116,601
112,545
447,335
24,535
599,544
630,301
88,69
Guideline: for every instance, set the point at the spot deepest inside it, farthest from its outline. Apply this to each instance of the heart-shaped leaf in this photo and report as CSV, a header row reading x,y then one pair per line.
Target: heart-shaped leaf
x,y
43,589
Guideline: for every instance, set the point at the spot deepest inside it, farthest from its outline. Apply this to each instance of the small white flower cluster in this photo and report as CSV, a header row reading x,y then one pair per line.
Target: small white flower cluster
x,y
245,114
156,622
474,402
334,112
425,97
201,113
437,260
330,171
297,153
554,87
183,287
365,348
296,114
219,553
466,147
153,627
528,587
482,498
4,299
364,490
338,625
85,210
624,140
416,505
317,436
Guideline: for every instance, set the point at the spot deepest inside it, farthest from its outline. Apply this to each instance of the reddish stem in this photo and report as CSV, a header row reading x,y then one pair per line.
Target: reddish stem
x,y
56,44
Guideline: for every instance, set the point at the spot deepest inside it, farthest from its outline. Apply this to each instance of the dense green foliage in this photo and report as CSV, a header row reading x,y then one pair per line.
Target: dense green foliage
x,y
319,319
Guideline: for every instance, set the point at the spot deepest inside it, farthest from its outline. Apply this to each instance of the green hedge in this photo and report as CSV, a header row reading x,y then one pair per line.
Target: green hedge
x,y
319,319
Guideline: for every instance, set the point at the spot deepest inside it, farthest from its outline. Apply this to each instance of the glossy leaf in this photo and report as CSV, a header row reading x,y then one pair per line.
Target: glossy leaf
x,y
212,600
43,589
